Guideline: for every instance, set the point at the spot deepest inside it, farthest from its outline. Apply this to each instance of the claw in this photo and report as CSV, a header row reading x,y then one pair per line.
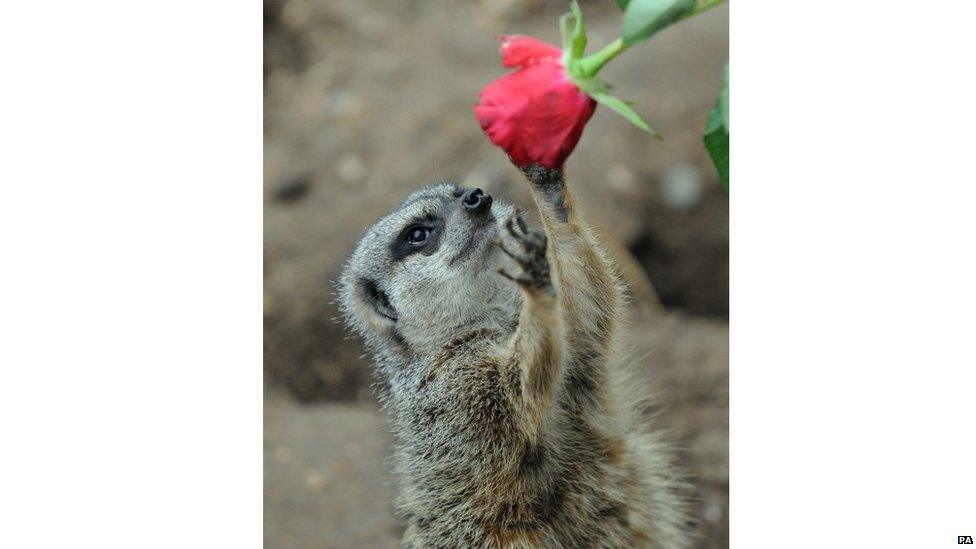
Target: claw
x,y
520,280
511,228
508,253
542,238
504,273
521,223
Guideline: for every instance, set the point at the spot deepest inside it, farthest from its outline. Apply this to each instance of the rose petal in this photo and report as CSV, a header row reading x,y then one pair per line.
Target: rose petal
x,y
535,114
518,50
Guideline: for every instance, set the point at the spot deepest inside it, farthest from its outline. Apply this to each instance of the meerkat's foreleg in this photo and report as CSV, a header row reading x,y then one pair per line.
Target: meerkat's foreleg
x,y
591,292
531,367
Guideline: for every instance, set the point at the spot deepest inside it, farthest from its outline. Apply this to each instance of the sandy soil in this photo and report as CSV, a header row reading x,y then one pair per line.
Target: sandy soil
x,y
326,481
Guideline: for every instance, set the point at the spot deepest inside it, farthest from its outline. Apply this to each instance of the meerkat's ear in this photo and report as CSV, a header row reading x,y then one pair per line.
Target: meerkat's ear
x,y
380,311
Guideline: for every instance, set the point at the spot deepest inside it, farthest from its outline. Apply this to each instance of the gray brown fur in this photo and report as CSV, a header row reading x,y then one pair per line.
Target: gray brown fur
x,y
496,347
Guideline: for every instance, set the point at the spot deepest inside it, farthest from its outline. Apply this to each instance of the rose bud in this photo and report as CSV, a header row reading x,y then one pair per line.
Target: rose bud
x,y
537,113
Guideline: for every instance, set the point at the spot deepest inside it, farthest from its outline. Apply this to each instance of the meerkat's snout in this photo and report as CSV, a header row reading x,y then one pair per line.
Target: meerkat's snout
x,y
476,201
472,227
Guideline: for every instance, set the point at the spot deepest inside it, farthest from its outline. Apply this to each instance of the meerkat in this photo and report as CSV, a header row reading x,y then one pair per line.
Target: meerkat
x,y
495,344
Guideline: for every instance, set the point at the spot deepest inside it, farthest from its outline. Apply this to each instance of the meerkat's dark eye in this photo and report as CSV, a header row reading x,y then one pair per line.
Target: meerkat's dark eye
x,y
418,235
421,236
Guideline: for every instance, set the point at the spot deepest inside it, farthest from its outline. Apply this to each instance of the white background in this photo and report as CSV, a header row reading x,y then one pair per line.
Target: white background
x,y
853,274
130,218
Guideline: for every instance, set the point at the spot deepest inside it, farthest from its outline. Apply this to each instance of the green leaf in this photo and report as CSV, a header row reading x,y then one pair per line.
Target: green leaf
x,y
717,143
599,91
643,18
717,131
723,99
574,39
623,4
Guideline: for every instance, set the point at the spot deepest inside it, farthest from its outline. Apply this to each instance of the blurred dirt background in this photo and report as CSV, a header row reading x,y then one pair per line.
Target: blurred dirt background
x,y
366,100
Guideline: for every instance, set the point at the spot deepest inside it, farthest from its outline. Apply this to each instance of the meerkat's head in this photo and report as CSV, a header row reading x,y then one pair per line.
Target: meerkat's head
x,y
428,270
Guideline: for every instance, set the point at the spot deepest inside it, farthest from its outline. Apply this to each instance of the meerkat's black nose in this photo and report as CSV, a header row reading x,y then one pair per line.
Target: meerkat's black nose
x,y
476,201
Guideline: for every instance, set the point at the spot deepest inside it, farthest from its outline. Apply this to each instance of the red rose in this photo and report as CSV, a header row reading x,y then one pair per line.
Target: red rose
x,y
536,114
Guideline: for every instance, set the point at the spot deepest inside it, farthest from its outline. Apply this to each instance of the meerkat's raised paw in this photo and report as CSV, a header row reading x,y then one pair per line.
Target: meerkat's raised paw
x,y
527,247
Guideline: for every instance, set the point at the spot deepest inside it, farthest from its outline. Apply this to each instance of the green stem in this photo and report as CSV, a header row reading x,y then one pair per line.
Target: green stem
x,y
591,64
